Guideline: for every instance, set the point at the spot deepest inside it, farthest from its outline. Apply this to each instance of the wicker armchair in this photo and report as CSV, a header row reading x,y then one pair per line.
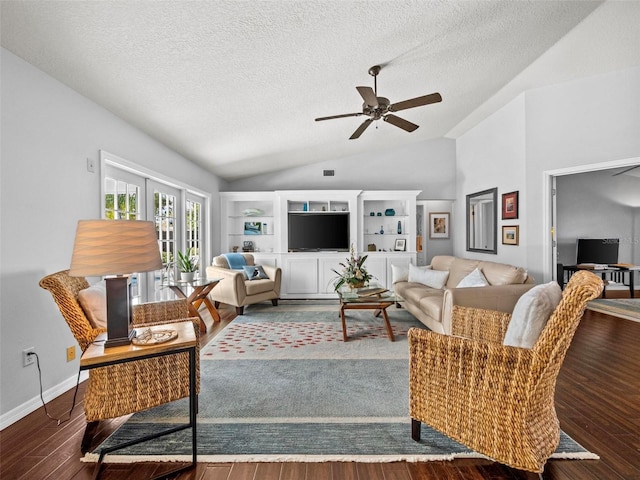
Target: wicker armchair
x,y
495,399
131,387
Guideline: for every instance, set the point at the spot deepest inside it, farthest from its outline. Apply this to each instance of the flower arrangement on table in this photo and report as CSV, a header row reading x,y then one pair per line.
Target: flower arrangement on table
x,y
353,273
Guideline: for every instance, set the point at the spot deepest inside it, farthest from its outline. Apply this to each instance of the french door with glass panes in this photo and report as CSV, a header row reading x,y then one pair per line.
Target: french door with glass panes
x,y
164,208
124,199
178,216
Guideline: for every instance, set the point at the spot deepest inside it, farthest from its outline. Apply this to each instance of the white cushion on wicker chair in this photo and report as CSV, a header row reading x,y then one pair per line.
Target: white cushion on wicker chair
x,y
93,301
531,313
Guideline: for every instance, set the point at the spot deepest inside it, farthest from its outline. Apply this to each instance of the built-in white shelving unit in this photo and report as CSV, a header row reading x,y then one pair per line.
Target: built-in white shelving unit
x,y
262,219
249,217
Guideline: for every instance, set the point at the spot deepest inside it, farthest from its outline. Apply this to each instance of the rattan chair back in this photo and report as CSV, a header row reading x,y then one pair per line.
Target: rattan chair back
x,y
64,290
496,399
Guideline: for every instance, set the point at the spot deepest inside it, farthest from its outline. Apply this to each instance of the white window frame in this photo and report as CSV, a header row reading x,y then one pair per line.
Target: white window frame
x,y
186,191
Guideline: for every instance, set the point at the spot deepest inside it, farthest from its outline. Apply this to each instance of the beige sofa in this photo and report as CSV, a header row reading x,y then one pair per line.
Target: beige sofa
x,y
235,289
433,306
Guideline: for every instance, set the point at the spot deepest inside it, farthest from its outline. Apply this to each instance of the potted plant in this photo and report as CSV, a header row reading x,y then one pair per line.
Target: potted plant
x,y
353,274
188,266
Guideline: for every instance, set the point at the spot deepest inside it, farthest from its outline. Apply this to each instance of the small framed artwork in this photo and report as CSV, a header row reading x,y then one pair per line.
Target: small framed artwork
x,y
510,205
253,228
510,235
439,225
401,244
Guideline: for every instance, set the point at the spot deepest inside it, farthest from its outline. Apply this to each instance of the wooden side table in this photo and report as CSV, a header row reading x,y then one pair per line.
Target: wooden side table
x,y
199,291
96,356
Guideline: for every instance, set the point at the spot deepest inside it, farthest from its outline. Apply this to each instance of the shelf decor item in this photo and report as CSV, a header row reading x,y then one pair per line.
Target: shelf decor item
x,y
353,274
389,212
252,212
253,228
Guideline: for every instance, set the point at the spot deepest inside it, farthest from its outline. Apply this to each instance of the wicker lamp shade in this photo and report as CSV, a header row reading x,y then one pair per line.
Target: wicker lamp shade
x,y
114,247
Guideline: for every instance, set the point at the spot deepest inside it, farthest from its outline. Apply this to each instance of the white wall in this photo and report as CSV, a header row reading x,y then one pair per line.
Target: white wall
x,y
493,155
427,166
582,122
587,121
48,132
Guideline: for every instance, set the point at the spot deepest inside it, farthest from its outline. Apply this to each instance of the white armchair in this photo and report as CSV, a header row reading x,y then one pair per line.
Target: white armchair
x,y
235,289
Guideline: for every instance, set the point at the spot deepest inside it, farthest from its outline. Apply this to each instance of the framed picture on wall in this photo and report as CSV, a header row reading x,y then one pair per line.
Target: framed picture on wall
x,y
510,235
510,205
438,225
253,228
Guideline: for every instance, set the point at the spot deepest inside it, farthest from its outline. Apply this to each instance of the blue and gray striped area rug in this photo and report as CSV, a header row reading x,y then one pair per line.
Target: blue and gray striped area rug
x,y
279,384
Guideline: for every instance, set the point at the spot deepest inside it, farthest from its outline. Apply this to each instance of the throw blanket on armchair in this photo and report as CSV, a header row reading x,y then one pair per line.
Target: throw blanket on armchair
x,y
235,260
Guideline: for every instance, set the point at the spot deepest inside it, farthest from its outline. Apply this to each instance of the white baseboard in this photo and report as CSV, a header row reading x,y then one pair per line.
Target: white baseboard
x,y
32,405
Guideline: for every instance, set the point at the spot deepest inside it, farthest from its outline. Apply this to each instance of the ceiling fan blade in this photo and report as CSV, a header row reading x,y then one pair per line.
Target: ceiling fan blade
x,y
368,95
400,122
625,170
416,102
339,116
361,129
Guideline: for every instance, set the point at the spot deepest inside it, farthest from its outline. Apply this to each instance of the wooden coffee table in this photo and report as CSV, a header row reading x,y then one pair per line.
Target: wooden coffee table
x,y
351,300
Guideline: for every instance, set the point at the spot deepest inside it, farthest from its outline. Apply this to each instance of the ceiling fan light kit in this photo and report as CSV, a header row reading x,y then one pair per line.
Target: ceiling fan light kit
x,y
377,108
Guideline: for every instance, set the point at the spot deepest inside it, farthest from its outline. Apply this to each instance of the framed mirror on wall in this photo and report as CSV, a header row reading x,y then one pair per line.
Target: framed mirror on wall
x,y
482,221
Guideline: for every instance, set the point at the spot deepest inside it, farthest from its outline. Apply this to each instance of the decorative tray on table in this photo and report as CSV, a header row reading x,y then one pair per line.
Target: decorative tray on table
x,y
154,337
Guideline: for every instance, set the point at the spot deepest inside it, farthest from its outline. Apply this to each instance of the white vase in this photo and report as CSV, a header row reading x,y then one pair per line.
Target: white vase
x,y
187,276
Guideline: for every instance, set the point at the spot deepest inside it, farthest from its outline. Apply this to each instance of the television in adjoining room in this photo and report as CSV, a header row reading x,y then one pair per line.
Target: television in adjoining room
x,y
603,251
319,231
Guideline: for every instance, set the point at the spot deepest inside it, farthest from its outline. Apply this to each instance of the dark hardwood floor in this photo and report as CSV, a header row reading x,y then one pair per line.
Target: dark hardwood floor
x,y
597,398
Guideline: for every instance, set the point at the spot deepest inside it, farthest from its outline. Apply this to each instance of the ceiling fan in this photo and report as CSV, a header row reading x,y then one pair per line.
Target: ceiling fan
x,y
377,108
625,170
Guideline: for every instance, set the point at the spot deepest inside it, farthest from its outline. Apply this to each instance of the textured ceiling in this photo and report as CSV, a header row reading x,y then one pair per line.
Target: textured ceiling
x,y
235,86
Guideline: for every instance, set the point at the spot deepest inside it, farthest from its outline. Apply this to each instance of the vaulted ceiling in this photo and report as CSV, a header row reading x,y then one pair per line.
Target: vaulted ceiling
x,y
235,86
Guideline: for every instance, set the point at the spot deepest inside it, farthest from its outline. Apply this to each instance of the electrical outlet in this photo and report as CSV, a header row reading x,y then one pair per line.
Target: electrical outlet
x,y
71,353
91,166
28,359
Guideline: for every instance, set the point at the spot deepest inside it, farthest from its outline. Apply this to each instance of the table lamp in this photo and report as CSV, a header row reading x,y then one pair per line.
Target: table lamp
x,y
116,249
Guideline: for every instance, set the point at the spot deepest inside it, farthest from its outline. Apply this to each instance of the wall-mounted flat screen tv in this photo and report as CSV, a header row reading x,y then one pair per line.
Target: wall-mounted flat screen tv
x,y
318,231
598,250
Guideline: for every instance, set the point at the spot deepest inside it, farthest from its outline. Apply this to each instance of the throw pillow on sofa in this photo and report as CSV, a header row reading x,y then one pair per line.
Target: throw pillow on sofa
x,y
474,279
255,272
93,301
426,276
531,313
400,273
